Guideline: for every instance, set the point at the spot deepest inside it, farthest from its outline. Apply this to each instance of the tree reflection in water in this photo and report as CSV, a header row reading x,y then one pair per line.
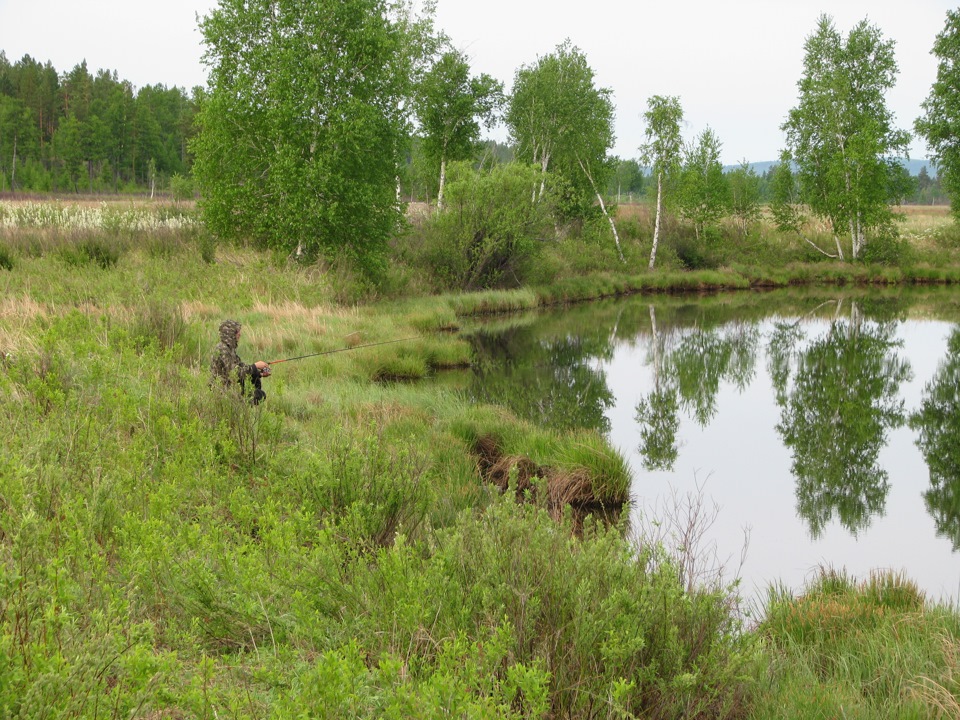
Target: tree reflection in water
x,y
938,424
658,413
835,416
688,368
548,381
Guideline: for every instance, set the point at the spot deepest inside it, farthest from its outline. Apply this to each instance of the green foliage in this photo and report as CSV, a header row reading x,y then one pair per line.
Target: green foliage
x,y
562,123
300,136
628,178
168,550
888,248
92,249
850,411
859,650
451,107
6,258
841,134
743,201
692,252
92,142
659,420
702,195
490,231
160,327
181,187
941,110
935,421
207,245
785,203
662,152
664,147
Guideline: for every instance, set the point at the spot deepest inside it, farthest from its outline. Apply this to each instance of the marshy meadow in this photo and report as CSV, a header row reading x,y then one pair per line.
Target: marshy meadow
x,y
371,542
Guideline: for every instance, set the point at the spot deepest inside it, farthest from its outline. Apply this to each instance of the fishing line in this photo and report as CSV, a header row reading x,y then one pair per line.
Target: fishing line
x,y
345,349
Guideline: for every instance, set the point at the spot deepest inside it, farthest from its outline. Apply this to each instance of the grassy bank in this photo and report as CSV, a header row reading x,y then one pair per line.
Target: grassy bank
x,y
347,548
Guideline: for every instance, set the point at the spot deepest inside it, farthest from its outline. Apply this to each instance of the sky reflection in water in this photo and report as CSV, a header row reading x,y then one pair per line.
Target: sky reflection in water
x,y
795,425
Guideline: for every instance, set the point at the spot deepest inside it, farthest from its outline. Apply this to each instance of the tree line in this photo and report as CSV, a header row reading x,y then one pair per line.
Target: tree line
x,y
324,166
81,132
329,113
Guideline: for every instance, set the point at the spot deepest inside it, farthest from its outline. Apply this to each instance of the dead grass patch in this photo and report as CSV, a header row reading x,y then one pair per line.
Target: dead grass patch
x,y
15,342
289,310
23,307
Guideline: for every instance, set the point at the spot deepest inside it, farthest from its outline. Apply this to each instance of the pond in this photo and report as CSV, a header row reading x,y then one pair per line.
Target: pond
x,y
775,433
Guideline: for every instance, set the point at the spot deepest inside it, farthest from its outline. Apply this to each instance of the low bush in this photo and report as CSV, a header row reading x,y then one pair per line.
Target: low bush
x,y
888,248
6,258
93,250
489,233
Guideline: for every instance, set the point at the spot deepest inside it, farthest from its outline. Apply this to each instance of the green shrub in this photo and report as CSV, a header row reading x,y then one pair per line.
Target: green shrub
x,y
489,233
159,326
6,258
694,254
181,187
207,245
888,248
96,250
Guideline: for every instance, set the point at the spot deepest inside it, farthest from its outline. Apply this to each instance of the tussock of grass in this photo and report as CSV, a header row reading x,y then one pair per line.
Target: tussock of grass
x,y
493,301
607,469
872,648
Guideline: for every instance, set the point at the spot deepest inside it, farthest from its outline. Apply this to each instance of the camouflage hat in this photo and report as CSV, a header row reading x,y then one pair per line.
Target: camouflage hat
x,y
228,331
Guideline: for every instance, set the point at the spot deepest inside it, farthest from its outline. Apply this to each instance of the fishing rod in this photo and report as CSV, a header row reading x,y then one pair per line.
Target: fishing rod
x,y
352,347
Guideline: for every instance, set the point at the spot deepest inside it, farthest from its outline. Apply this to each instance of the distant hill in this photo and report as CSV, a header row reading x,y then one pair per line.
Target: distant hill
x,y
913,166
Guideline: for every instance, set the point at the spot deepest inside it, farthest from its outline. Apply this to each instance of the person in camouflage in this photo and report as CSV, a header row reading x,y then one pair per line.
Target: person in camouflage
x,y
226,367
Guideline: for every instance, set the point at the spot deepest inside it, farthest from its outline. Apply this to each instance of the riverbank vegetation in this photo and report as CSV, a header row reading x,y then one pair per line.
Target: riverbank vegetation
x,y
347,547
364,544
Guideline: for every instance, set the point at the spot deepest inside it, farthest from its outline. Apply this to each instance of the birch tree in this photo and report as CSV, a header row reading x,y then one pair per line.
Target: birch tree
x,y
451,106
743,200
940,122
703,188
302,126
662,151
841,135
562,123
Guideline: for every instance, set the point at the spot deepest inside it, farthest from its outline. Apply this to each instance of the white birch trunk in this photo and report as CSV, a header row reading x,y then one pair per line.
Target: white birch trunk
x,y
533,193
443,180
13,170
544,162
613,227
656,222
603,208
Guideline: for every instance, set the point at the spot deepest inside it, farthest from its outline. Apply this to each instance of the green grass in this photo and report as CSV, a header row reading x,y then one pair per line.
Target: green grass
x,y
860,650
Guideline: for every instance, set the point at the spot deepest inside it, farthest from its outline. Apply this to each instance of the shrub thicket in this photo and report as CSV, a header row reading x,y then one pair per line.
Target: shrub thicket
x,y
490,231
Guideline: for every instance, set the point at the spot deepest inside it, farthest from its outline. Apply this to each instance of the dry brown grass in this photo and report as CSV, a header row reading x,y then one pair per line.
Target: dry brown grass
x,y
96,201
933,211
22,307
641,212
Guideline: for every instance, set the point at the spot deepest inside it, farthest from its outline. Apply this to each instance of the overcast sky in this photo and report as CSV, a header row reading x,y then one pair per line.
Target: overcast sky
x,y
734,64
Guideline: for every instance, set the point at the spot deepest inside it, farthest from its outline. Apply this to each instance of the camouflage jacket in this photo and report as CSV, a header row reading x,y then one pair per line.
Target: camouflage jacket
x,y
226,367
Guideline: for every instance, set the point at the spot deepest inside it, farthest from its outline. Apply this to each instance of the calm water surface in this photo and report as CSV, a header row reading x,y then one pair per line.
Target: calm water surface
x,y
816,429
